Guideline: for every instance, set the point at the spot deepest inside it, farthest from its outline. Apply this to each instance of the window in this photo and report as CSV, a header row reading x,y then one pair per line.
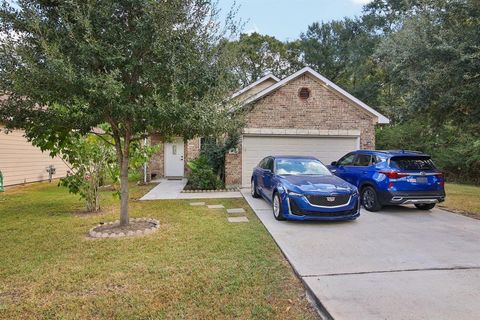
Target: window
x,y
378,159
346,160
296,167
269,164
363,160
262,163
412,163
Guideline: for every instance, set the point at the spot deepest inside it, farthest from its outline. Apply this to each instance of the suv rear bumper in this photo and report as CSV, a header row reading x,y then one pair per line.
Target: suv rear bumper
x,y
411,197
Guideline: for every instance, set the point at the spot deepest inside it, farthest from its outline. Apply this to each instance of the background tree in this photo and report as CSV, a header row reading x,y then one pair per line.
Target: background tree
x,y
140,66
434,63
256,55
343,51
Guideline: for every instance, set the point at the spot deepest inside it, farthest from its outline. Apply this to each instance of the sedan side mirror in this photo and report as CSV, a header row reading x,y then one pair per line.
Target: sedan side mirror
x,y
334,163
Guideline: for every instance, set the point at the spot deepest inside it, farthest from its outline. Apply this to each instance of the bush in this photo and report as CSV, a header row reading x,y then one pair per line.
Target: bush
x,y
201,175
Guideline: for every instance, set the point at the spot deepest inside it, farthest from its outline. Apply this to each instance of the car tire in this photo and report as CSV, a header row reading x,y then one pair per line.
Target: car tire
x,y
253,189
425,206
277,207
370,199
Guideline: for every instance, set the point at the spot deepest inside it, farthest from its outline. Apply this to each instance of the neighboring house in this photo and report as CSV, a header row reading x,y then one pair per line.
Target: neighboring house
x,y
303,114
21,162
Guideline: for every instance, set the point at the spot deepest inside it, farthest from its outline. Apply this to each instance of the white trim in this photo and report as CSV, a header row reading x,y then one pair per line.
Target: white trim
x,y
300,132
328,83
250,86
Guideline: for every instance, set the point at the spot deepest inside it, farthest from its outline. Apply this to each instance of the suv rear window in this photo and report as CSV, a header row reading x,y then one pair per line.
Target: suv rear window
x,y
412,163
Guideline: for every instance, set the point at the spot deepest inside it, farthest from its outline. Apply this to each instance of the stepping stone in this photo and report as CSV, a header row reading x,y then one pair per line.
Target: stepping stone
x,y
237,219
195,204
215,206
236,210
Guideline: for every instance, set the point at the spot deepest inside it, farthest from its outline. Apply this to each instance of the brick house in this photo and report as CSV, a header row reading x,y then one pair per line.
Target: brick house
x,y
303,114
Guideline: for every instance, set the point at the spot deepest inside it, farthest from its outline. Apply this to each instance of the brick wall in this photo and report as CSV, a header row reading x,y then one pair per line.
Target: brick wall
x,y
192,151
324,110
156,163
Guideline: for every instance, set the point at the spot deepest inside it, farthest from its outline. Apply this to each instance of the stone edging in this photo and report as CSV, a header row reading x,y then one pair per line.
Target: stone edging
x,y
205,191
95,234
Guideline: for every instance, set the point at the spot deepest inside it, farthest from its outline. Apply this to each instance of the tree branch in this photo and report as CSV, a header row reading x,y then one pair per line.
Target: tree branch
x,y
101,137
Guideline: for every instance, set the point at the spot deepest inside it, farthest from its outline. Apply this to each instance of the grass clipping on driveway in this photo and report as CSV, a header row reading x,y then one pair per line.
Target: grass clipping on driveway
x,y
196,266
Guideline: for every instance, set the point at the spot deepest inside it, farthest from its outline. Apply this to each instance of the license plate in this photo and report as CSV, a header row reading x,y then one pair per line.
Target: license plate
x,y
422,180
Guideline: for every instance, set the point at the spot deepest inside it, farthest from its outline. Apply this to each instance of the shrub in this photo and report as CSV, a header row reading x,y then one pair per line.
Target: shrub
x,y
201,175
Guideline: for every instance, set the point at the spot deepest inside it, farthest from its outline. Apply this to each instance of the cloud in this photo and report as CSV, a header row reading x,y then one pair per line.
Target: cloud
x,y
361,2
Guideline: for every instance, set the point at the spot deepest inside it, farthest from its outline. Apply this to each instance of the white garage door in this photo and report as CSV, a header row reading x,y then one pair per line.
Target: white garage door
x,y
327,149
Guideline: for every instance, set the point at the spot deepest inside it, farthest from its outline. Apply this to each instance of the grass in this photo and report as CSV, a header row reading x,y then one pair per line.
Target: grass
x,y
197,266
463,198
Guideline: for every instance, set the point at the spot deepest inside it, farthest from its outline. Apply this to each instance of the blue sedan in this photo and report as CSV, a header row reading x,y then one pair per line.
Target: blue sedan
x,y
302,188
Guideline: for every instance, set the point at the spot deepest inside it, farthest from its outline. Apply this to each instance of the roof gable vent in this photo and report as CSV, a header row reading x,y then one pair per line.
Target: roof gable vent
x,y
304,93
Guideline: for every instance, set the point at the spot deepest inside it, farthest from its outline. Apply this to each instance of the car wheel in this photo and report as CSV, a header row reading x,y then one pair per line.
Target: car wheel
x,y
277,207
425,206
370,199
253,189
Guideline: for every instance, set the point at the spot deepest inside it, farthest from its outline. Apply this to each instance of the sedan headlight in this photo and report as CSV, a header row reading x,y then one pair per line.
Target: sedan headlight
x,y
294,194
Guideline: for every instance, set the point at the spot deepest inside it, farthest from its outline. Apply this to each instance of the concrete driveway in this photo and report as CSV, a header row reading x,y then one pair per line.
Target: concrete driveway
x,y
399,263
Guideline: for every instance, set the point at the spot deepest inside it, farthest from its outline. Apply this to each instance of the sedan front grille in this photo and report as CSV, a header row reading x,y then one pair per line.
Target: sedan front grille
x,y
328,201
295,209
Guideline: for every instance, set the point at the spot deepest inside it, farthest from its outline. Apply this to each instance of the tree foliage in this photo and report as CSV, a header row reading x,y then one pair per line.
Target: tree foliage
x,y
343,51
256,55
92,161
140,66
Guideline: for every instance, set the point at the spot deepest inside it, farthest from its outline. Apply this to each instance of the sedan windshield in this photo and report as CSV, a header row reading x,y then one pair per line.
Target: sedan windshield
x,y
300,167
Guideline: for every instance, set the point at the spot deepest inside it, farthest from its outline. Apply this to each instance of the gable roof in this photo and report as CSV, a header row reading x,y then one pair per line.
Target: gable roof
x,y
328,83
252,85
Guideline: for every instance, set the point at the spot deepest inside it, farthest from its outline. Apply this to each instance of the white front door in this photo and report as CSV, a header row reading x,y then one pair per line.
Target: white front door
x,y
174,164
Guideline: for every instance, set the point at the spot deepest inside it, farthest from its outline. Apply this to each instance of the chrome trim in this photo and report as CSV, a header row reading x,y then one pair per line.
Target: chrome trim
x,y
420,201
333,207
413,201
420,174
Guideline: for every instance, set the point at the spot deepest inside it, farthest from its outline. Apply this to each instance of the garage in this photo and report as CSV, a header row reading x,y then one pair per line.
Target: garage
x,y
327,149
302,114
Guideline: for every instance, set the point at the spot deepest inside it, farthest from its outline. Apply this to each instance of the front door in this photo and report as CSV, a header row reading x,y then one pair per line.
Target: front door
x,y
174,164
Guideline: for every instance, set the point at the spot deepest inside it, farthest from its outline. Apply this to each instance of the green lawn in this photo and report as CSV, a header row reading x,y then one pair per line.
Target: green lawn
x,y
464,198
196,266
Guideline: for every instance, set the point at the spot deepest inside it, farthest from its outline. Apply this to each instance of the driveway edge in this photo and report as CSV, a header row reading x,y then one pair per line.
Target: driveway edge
x,y
313,299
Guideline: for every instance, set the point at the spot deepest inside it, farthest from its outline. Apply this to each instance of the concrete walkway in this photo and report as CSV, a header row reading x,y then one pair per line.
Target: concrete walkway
x,y
399,263
172,189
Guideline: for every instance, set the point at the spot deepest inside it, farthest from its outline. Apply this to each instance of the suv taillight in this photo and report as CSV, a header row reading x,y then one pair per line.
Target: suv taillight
x,y
441,178
392,174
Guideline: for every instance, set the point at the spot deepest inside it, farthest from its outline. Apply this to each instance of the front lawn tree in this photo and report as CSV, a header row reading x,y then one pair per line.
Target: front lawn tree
x,y
140,66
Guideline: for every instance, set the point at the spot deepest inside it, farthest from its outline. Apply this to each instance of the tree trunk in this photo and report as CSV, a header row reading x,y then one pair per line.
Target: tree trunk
x,y
124,191
123,156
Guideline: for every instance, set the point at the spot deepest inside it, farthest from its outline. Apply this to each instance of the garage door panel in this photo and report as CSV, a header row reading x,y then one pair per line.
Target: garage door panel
x,y
327,149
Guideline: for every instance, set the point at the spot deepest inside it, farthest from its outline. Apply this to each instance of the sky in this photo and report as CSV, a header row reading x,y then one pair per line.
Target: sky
x,y
286,19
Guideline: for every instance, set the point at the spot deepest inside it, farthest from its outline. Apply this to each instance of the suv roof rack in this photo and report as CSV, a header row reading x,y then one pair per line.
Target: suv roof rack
x,y
401,151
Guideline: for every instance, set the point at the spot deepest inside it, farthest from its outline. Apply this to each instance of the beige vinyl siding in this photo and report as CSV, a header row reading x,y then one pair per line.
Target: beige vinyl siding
x,y
21,162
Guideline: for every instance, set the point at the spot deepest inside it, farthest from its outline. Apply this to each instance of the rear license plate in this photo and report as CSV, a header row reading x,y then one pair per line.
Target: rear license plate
x,y
422,180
